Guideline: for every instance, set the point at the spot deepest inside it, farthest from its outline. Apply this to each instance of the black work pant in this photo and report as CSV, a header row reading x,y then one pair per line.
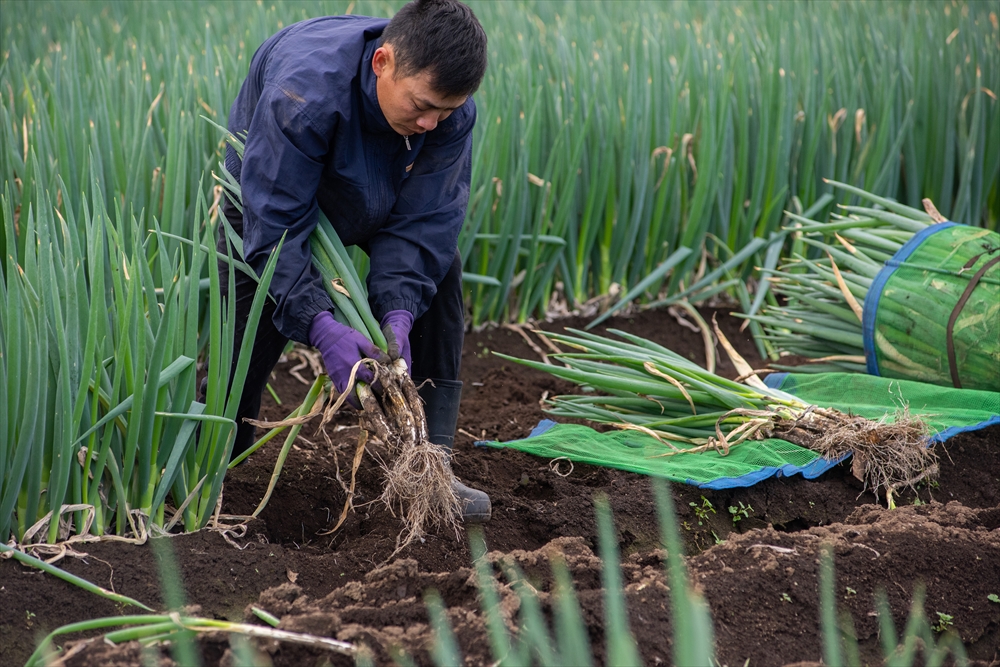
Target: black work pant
x,y
435,340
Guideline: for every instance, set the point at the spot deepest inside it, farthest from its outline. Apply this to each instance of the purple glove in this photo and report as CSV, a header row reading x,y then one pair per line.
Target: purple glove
x,y
342,347
396,327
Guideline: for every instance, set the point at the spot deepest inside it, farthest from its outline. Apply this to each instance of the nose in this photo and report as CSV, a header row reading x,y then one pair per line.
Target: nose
x,y
427,122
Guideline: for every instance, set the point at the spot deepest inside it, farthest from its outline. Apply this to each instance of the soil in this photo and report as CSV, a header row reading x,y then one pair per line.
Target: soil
x,y
759,575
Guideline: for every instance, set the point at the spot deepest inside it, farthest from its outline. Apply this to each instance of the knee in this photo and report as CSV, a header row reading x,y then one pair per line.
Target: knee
x,y
453,278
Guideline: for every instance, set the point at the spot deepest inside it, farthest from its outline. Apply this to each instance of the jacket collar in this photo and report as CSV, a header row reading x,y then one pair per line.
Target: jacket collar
x,y
372,118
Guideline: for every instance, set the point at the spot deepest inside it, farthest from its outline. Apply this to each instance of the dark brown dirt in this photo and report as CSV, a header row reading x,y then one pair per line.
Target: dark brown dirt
x,y
340,585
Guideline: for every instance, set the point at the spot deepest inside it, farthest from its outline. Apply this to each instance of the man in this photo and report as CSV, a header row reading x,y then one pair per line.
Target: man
x,y
370,121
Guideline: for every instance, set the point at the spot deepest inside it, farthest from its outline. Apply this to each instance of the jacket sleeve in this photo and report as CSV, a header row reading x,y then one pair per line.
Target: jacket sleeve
x,y
282,165
412,253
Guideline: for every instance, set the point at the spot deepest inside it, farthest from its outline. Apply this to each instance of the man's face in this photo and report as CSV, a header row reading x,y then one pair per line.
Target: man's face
x,y
410,104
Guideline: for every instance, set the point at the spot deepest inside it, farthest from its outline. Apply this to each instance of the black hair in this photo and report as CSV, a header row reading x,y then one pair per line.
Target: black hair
x,y
443,37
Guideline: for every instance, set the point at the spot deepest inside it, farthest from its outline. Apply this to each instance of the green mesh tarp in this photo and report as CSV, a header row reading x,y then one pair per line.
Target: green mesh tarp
x,y
933,312
948,411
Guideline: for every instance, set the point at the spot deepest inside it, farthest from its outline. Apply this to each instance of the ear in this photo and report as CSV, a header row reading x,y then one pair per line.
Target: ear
x,y
382,60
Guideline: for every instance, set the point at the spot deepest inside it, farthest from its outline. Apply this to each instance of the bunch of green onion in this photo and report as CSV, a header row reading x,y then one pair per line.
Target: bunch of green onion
x,y
826,279
648,388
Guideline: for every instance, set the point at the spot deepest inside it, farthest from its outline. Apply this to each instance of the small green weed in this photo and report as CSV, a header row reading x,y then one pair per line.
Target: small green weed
x,y
741,512
944,622
993,597
701,511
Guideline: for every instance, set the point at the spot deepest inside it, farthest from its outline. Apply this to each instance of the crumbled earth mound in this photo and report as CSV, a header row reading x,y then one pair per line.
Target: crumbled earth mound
x,y
951,550
744,579
765,570
341,584
771,572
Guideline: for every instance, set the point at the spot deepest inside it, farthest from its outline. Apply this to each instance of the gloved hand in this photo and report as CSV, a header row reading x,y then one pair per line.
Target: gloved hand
x,y
342,347
396,327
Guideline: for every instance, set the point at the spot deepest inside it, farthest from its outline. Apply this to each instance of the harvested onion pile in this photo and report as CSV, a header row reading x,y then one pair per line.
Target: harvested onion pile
x,y
643,386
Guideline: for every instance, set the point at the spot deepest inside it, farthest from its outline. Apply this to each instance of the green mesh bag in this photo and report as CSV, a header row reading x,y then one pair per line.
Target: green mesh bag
x,y
933,311
947,411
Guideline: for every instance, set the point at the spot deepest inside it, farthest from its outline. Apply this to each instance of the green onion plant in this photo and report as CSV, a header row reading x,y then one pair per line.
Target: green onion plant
x,y
103,429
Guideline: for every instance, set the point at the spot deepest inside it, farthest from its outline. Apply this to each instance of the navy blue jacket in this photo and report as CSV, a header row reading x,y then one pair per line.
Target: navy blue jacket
x,y
317,139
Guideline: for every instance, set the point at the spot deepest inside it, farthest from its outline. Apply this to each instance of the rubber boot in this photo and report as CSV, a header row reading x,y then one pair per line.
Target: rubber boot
x,y
441,406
